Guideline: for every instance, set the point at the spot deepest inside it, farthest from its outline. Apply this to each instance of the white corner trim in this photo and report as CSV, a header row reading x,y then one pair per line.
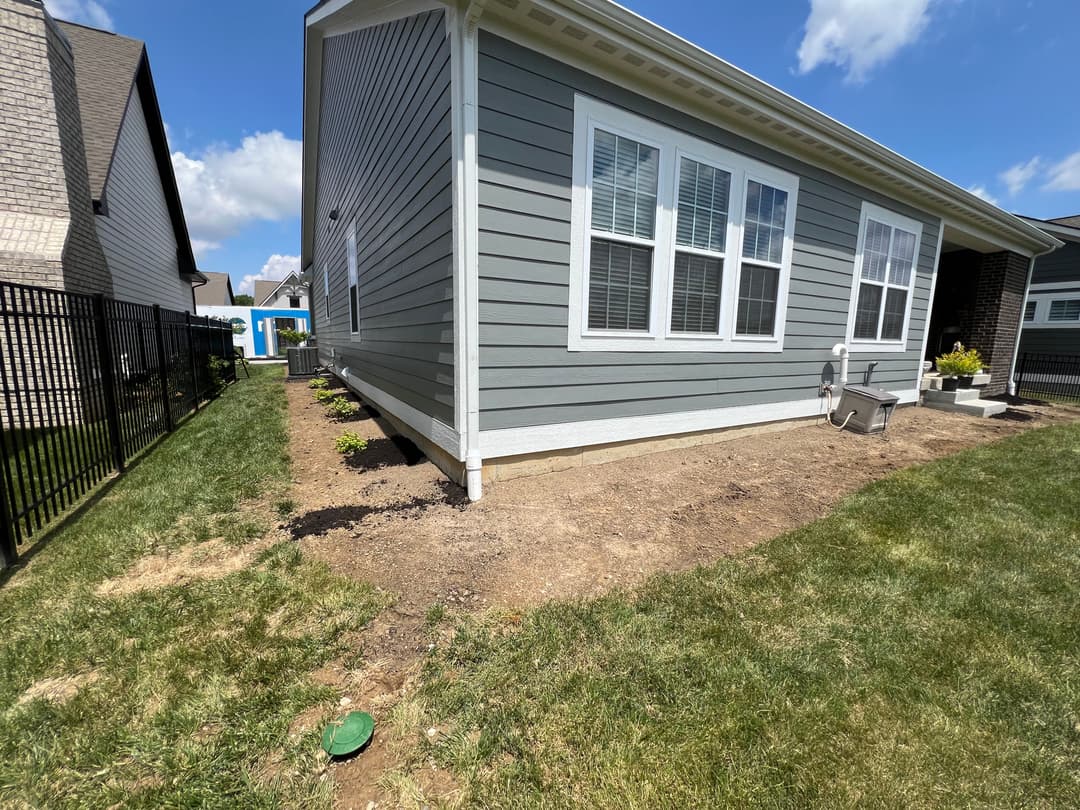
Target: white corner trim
x,y
893,220
930,311
673,145
543,438
427,426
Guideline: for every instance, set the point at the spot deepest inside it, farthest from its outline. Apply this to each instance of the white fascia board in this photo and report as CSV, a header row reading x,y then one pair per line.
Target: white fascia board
x,y
631,31
544,438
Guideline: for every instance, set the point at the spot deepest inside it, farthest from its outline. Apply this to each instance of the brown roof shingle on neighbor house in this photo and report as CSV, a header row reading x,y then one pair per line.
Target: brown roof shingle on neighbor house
x,y
105,69
263,289
1072,222
216,292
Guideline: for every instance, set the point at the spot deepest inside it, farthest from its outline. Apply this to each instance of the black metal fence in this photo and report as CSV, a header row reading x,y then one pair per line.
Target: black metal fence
x,y
1049,376
86,383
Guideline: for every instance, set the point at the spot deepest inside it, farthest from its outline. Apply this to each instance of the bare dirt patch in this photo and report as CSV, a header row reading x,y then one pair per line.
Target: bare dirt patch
x,y
211,559
59,689
576,533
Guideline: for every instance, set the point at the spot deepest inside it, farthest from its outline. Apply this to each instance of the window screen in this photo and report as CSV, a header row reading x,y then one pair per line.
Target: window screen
x,y
619,282
695,298
757,300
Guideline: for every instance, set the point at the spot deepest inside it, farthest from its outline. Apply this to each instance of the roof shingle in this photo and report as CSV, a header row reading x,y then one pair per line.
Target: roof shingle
x,y
105,69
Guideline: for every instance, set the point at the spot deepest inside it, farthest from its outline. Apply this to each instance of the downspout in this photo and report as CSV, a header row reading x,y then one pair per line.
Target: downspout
x,y
466,39
1011,386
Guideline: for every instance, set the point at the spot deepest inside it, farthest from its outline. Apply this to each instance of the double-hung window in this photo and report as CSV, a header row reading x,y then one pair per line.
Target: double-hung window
x,y
885,269
354,293
677,243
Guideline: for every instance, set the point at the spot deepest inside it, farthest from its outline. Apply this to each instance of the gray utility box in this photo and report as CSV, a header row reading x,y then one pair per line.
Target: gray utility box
x,y
872,408
302,362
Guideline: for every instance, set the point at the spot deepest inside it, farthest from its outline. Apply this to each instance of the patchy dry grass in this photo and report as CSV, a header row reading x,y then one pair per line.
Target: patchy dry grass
x,y
156,652
916,648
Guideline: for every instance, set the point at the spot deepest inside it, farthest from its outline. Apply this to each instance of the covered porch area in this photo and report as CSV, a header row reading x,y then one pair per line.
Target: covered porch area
x,y
979,298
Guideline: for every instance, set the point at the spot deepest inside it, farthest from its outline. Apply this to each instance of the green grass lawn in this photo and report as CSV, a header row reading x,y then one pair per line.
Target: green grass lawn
x,y
188,689
919,647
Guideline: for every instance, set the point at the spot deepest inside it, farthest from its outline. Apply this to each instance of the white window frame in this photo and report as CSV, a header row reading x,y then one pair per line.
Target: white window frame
x,y
1043,296
353,279
590,115
893,220
326,291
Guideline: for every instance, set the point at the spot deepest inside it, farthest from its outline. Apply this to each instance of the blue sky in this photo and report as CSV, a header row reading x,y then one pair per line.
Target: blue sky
x,y
979,91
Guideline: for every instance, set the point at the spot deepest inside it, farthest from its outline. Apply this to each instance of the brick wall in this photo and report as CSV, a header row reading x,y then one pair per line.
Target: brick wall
x,y
47,233
996,317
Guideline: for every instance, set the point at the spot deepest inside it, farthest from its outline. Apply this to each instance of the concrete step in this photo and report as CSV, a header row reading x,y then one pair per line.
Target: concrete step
x,y
972,407
952,397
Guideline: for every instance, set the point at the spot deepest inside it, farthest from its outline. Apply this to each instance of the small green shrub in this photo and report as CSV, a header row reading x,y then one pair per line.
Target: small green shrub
x,y
215,366
292,337
324,395
286,507
341,408
960,362
348,443
319,382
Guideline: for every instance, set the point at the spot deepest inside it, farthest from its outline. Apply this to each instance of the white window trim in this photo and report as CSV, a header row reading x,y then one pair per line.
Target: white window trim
x,y
893,220
352,281
1043,299
326,291
590,114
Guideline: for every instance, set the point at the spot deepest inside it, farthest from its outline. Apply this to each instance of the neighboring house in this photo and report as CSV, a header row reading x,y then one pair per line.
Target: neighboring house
x,y
217,291
1052,311
290,292
543,233
256,330
88,200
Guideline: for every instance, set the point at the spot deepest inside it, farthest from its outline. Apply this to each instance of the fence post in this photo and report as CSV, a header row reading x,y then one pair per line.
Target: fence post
x,y
108,381
9,549
159,334
191,359
1020,375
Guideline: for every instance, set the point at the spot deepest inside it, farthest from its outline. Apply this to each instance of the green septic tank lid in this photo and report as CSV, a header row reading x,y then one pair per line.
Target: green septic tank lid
x,y
347,734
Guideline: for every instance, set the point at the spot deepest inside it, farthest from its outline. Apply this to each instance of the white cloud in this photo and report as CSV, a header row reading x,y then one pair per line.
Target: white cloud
x,y
276,268
224,190
87,12
1018,176
859,35
1064,176
980,191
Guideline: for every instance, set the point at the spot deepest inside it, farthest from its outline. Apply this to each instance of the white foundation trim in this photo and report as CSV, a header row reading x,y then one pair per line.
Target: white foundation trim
x,y
519,441
430,428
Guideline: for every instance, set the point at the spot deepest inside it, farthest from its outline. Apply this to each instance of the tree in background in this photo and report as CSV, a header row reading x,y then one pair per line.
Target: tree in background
x,y
243,300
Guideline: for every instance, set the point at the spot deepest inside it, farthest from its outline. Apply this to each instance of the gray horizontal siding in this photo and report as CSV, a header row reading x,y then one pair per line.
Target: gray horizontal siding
x,y
1050,341
527,376
385,161
137,235
1062,265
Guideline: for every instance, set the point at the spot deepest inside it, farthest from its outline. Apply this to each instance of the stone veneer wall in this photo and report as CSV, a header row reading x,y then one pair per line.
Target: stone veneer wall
x,y
47,234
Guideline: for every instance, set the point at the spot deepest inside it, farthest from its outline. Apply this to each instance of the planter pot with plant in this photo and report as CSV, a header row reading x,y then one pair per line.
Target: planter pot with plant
x,y
293,337
958,368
